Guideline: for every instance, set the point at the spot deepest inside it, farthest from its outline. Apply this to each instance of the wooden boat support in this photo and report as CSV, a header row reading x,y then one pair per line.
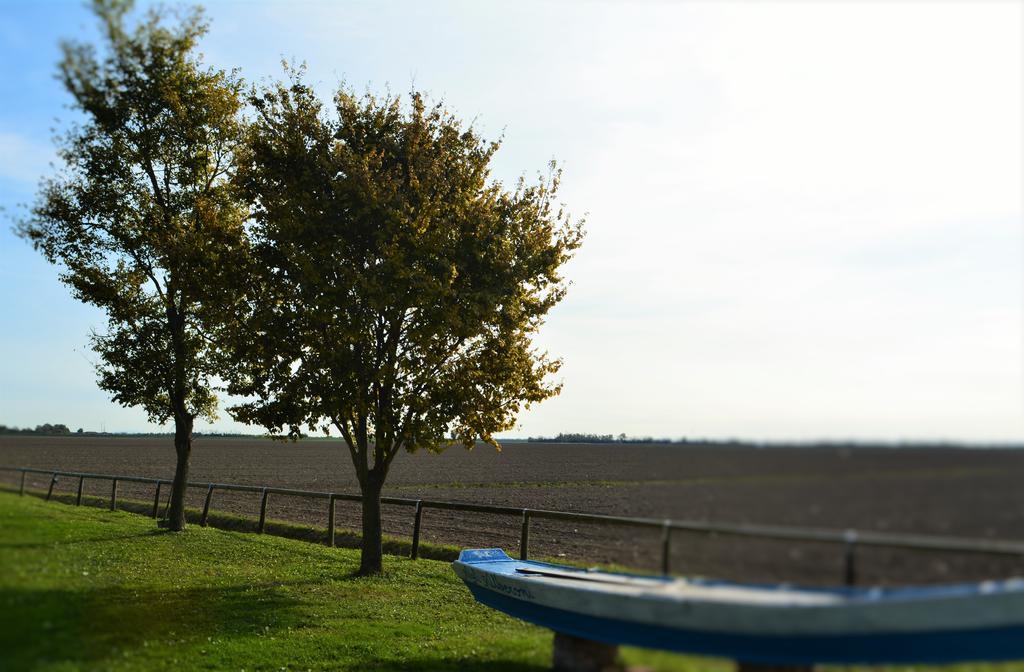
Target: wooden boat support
x,y
754,667
574,654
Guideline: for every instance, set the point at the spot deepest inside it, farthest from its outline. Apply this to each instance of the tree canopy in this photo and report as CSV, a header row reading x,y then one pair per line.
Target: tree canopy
x,y
396,286
143,219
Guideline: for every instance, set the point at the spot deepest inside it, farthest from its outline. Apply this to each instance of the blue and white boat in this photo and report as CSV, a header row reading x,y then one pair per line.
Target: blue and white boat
x,y
769,624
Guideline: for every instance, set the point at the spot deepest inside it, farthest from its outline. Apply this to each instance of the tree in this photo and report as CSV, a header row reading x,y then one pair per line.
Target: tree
x,y
398,285
47,428
143,219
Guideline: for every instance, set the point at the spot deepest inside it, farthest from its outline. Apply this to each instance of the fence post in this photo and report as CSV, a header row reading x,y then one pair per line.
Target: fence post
x,y
524,539
81,482
113,495
332,504
263,510
666,546
53,482
850,561
156,500
22,490
206,505
415,553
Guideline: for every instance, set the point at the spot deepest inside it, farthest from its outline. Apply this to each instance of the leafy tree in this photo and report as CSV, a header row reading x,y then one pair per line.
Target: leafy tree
x,y
47,428
143,220
398,285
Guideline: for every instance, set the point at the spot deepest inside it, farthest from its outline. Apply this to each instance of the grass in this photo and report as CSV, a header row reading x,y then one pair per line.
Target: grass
x,y
346,538
83,588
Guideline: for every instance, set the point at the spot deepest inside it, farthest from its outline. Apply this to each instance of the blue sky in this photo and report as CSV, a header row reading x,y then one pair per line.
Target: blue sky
x,y
805,219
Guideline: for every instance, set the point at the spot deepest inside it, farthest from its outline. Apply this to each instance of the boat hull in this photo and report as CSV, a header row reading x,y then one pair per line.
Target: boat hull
x,y
492,584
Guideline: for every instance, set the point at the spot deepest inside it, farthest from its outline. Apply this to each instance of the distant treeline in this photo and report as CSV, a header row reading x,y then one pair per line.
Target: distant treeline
x,y
574,437
564,437
63,430
45,430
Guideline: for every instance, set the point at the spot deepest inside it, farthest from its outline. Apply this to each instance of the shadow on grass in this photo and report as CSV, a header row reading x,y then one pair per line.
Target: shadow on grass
x,y
40,627
79,542
249,625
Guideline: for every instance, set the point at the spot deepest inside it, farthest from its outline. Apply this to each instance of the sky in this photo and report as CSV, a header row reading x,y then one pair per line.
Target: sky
x,y
805,220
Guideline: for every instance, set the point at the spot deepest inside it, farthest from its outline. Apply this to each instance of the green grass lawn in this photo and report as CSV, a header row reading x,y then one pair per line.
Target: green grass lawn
x,y
86,588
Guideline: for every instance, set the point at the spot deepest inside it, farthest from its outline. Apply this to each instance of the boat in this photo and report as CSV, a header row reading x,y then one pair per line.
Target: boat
x,y
756,623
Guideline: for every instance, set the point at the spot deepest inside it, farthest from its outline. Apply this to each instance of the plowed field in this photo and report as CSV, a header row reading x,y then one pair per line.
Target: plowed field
x,y
975,493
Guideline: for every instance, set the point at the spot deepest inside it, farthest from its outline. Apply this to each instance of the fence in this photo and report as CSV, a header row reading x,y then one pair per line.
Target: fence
x,y
850,540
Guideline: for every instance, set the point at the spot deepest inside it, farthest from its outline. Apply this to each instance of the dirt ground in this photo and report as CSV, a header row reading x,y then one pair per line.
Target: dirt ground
x,y
947,491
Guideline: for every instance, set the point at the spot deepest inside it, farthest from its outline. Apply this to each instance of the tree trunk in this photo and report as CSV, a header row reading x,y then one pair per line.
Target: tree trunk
x,y
183,448
371,557
182,418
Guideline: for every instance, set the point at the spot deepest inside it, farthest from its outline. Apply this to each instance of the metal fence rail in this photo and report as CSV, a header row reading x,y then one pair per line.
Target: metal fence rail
x,y
849,539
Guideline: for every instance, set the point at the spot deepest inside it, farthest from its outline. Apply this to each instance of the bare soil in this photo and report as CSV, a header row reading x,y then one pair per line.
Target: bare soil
x,y
936,490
